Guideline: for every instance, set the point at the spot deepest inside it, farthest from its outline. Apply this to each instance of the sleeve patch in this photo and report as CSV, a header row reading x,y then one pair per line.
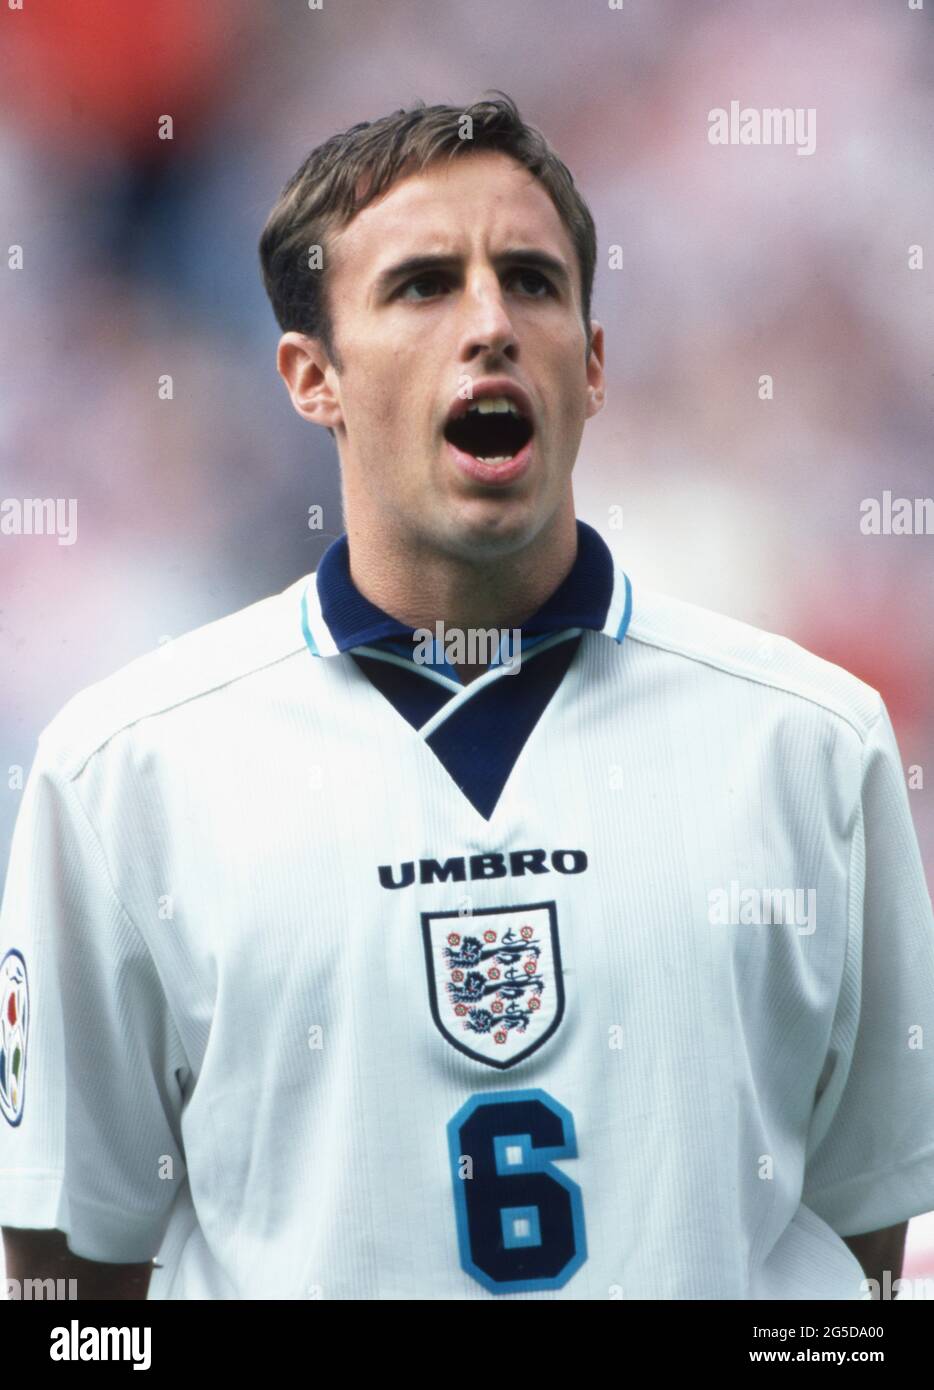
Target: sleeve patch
x,y
14,1025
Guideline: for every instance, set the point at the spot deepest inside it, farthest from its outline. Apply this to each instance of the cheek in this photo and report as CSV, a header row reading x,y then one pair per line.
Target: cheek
x,y
574,375
374,403
391,403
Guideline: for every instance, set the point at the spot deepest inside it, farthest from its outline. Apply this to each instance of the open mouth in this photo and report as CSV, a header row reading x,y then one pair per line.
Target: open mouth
x,y
492,430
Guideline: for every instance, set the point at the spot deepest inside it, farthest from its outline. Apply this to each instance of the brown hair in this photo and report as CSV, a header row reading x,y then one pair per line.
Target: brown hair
x,y
352,169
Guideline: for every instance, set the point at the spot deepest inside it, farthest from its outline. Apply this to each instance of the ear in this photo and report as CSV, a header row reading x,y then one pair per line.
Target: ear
x,y
310,379
596,382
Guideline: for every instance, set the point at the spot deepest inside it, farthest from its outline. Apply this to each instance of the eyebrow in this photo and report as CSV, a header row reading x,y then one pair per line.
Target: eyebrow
x,y
528,256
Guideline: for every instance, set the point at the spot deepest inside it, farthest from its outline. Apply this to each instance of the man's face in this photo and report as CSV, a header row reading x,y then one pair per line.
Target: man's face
x,y
417,342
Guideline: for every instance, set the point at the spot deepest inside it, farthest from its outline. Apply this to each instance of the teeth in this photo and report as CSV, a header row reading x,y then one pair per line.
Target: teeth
x,y
500,458
494,405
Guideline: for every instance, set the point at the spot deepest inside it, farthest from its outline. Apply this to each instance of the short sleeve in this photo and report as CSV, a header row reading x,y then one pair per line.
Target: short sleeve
x,y
870,1161
92,1070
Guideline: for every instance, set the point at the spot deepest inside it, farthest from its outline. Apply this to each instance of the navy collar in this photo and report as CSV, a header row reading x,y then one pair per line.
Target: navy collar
x,y
337,618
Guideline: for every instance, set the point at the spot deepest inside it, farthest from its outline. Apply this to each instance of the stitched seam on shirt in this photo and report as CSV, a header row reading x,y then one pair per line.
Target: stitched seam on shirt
x,y
130,921
73,772
923,1156
756,677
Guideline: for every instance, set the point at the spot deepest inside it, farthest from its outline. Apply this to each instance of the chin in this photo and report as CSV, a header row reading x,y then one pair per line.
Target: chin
x,y
490,530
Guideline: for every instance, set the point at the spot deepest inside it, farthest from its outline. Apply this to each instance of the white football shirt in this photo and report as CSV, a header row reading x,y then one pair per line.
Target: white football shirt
x,y
610,975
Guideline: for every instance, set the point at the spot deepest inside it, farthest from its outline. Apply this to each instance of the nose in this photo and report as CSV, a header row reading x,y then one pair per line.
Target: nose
x,y
487,325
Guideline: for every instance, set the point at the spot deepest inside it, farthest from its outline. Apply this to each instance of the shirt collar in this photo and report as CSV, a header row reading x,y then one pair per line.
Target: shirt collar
x,y
336,617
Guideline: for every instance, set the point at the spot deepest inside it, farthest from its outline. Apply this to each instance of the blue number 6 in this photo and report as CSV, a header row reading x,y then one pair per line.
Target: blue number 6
x,y
520,1221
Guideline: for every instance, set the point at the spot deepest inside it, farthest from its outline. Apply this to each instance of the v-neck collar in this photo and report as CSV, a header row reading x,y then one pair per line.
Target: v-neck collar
x,y
337,618
477,731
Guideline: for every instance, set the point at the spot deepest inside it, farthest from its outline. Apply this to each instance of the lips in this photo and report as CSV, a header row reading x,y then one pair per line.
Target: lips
x,y
491,475
492,425
483,390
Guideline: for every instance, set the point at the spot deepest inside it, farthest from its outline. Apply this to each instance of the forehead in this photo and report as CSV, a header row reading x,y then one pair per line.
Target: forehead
x,y
485,199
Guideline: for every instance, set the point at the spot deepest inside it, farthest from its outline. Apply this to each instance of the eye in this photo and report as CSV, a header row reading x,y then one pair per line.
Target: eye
x,y
433,280
420,280
536,275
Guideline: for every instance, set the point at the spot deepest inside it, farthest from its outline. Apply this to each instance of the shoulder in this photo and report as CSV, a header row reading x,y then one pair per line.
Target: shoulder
x,y
729,655
208,661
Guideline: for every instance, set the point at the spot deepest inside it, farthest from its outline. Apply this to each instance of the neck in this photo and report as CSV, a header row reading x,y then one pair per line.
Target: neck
x,y
420,586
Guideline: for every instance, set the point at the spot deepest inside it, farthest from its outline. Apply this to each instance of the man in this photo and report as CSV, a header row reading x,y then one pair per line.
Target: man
x,y
366,963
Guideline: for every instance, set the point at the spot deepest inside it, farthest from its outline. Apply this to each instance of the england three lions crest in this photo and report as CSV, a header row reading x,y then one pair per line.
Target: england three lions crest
x,y
494,979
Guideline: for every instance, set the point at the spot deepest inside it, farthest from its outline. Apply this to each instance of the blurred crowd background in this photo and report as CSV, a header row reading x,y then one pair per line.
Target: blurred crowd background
x,y
140,260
